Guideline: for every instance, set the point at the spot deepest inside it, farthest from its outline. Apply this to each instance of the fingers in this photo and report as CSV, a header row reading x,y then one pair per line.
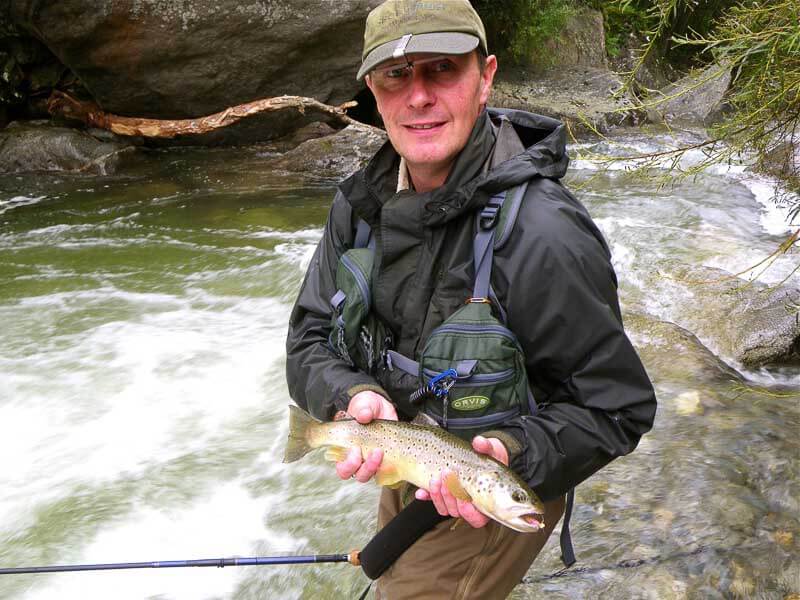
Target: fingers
x,y
471,515
347,468
481,444
491,446
367,406
362,470
445,503
369,466
448,505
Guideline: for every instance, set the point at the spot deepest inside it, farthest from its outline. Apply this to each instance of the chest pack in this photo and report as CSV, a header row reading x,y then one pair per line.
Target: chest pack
x,y
471,372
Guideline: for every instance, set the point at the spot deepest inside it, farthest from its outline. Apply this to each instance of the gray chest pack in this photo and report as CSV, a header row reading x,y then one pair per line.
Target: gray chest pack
x,y
471,371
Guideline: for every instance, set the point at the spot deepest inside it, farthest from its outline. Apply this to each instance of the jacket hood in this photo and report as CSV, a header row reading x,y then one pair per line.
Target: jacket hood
x,y
471,181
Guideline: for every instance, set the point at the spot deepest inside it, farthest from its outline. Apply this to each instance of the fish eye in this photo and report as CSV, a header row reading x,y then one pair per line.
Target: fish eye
x,y
519,496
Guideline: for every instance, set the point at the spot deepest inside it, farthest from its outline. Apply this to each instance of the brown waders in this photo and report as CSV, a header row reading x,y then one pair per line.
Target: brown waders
x,y
464,563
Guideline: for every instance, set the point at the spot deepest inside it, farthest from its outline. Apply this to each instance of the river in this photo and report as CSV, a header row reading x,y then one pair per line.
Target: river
x,y
143,402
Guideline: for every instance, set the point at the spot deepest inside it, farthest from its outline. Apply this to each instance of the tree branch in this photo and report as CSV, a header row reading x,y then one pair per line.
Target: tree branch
x,y
92,115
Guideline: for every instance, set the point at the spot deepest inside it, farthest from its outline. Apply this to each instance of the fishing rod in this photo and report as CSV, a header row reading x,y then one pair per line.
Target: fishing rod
x,y
237,561
374,558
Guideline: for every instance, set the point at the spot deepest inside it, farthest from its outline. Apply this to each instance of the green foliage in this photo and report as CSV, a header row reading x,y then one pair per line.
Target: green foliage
x,y
623,19
759,42
517,30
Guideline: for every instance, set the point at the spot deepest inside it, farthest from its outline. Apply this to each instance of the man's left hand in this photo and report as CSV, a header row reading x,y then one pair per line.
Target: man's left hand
x,y
448,505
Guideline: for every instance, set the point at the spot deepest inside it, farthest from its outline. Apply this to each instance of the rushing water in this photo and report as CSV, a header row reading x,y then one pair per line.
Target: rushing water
x,y
143,402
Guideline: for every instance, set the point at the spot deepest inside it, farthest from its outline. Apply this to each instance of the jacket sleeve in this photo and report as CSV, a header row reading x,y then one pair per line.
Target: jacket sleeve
x,y
319,381
595,398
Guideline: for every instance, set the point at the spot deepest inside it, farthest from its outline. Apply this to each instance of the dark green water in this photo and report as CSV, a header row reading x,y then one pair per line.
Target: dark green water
x,y
143,404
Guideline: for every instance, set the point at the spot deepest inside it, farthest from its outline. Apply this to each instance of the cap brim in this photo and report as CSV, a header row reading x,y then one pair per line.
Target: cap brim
x,y
443,42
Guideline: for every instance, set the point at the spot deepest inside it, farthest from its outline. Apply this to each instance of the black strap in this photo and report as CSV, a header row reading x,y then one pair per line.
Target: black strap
x,y
483,245
397,536
567,551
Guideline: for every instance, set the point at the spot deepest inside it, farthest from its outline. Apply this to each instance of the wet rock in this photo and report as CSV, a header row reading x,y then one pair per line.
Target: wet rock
x,y
334,156
697,98
733,507
161,59
784,539
311,131
782,160
688,403
672,353
585,98
742,585
38,146
756,325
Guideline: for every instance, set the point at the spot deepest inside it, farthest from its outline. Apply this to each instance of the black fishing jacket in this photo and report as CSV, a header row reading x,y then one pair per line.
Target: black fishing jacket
x,y
553,280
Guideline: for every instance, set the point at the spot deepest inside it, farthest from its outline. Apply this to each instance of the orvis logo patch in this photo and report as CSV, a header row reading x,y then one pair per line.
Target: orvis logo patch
x,y
470,403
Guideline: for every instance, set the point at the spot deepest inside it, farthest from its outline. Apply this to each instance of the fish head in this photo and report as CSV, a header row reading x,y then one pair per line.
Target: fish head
x,y
507,499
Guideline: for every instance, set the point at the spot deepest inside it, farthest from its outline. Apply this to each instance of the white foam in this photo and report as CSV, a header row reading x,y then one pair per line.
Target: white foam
x,y
126,394
774,217
17,202
228,523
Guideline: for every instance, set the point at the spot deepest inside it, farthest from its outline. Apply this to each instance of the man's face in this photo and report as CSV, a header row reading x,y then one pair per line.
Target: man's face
x,y
430,109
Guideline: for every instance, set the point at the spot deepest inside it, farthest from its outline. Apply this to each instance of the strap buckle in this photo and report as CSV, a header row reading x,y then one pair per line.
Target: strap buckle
x,y
491,212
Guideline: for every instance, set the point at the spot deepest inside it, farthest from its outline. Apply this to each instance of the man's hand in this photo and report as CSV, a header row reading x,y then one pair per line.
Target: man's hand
x,y
448,505
365,407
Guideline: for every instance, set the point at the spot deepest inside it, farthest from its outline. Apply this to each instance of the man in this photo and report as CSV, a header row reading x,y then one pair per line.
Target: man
x,y
427,64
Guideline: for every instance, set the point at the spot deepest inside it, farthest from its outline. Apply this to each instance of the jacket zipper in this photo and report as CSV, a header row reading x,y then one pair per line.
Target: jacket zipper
x,y
472,422
476,379
467,328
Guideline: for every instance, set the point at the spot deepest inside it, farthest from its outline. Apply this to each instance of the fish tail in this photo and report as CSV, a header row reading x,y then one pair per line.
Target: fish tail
x,y
297,445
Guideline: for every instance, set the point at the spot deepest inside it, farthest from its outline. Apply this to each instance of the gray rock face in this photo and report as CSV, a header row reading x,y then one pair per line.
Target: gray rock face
x,y
697,98
584,97
164,59
569,79
334,156
582,43
756,325
43,147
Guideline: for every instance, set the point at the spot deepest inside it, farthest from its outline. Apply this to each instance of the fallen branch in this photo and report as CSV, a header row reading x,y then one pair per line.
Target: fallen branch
x,y
61,104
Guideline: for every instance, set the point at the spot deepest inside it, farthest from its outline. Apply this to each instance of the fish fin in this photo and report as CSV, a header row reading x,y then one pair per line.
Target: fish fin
x,y
388,476
454,486
297,445
424,419
336,453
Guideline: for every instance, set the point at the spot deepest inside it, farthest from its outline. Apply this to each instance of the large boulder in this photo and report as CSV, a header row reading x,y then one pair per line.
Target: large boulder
x,y
332,157
162,59
697,98
586,98
756,325
40,146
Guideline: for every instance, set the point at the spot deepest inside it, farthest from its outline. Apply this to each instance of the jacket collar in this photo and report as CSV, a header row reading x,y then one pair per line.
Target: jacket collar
x,y
505,148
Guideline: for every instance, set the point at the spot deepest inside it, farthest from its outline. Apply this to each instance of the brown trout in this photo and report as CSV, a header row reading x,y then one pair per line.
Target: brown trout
x,y
415,453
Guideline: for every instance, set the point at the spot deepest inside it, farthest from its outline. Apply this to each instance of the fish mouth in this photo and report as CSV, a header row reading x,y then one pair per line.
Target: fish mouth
x,y
535,520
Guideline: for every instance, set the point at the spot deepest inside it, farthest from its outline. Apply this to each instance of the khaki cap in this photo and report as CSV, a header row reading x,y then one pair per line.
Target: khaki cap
x,y
400,27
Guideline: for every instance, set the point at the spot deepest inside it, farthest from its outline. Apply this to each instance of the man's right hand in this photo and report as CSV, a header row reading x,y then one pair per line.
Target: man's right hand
x,y
364,407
